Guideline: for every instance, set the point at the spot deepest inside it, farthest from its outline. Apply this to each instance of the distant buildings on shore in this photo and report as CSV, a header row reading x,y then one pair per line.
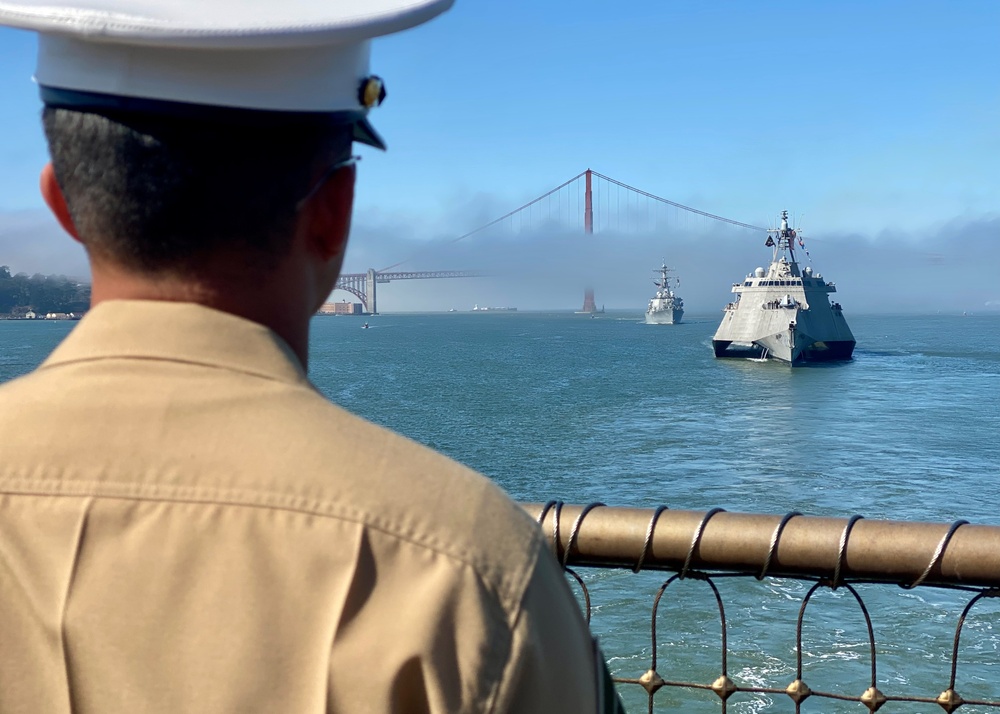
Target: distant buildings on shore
x,y
341,308
32,315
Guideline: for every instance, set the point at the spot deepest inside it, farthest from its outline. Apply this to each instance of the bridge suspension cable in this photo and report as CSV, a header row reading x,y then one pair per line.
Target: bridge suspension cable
x,y
671,203
494,222
527,206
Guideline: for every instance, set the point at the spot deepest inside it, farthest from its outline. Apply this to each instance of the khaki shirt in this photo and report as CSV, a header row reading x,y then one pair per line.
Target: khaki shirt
x,y
187,525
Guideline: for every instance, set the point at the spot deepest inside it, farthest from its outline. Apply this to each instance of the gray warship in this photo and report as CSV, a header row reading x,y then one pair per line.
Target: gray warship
x,y
665,307
783,313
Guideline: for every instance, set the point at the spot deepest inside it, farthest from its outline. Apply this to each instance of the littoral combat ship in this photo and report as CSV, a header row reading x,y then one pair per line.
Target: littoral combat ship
x,y
665,307
783,313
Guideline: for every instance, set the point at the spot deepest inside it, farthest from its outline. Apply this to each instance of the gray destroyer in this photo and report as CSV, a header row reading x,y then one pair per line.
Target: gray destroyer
x,y
665,307
783,313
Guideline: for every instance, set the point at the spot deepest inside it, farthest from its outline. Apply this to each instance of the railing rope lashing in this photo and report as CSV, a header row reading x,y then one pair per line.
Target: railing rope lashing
x,y
794,545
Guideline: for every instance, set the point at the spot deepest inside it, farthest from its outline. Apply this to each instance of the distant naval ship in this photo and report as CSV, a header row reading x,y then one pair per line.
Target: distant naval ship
x,y
784,313
665,308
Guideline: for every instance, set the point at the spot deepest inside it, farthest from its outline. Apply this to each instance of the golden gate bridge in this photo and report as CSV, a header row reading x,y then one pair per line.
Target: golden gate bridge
x,y
590,202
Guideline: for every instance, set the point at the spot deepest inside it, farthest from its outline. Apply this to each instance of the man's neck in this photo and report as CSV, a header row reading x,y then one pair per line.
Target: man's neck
x,y
266,302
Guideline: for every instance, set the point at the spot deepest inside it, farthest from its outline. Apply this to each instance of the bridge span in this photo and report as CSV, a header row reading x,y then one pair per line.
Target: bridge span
x,y
363,285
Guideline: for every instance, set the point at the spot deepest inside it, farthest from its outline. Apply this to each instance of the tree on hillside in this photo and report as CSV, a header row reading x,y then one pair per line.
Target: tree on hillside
x,y
41,293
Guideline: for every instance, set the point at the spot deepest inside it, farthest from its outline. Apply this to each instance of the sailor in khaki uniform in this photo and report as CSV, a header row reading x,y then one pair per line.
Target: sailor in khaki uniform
x,y
186,525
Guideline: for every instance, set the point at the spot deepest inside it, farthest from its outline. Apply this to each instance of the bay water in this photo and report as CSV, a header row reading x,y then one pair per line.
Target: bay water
x,y
557,405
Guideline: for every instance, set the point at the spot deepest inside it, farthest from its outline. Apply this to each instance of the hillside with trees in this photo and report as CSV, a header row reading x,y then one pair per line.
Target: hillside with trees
x,y
41,294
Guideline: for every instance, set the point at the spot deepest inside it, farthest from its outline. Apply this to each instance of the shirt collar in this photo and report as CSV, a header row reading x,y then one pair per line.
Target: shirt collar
x,y
177,331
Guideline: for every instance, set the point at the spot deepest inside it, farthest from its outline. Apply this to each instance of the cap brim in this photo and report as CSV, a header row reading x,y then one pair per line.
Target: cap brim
x,y
365,133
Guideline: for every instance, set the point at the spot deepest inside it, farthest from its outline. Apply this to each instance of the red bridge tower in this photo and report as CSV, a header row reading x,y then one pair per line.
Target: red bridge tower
x,y
589,306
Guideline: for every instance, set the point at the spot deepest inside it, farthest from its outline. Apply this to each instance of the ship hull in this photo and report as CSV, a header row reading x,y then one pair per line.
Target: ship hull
x,y
772,348
664,317
791,335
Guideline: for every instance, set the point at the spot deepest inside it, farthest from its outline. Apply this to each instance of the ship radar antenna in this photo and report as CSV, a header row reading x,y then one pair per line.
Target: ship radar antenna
x,y
782,241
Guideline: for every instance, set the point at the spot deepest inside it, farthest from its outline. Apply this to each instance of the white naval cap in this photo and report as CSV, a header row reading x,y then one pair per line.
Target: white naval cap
x,y
197,56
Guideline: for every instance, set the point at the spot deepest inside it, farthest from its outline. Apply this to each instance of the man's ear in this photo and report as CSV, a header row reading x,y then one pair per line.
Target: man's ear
x,y
330,214
56,201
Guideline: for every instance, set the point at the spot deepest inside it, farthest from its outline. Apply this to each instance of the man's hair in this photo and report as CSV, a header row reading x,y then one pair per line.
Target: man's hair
x,y
159,194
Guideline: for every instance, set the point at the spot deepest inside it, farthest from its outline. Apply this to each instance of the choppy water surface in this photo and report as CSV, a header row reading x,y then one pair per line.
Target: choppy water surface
x,y
609,409
612,410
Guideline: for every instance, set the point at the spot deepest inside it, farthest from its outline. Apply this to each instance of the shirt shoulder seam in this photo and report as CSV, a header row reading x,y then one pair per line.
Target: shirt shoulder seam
x,y
508,590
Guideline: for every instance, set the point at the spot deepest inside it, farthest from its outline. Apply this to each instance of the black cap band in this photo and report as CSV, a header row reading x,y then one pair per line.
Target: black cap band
x,y
112,104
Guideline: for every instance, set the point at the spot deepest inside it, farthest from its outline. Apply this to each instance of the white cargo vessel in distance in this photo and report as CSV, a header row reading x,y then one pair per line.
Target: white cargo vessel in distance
x,y
784,313
665,307
476,308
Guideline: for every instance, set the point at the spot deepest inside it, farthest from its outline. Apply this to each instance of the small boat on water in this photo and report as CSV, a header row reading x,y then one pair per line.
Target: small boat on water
x,y
665,307
784,313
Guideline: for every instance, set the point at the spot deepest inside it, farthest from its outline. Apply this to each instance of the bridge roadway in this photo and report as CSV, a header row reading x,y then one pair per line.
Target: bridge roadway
x,y
362,285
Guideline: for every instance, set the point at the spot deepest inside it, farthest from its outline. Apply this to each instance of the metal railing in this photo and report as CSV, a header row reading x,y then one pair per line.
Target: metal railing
x,y
822,554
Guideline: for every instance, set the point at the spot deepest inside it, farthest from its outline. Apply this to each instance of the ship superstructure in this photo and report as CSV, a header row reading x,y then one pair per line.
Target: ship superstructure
x,y
784,313
665,307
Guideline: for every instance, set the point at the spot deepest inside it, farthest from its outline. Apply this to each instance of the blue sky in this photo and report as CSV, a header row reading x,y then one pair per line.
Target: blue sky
x,y
874,119
887,109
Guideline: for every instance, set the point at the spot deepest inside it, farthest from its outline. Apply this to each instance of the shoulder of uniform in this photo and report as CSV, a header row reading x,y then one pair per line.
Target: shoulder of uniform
x,y
306,451
269,444
413,492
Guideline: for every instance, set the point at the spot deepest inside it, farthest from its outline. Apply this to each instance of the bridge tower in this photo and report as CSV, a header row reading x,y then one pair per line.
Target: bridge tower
x,y
370,291
589,306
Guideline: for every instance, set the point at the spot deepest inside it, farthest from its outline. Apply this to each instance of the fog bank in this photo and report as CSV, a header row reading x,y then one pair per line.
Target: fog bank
x,y
949,267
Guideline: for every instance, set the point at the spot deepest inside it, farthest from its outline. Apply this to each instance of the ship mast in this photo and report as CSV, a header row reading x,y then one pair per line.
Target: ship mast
x,y
664,283
782,240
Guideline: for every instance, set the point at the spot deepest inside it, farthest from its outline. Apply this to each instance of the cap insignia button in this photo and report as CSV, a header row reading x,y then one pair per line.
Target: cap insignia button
x,y
372,92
